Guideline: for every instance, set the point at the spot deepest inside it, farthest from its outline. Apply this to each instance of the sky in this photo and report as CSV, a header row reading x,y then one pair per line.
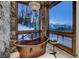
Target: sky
x,y
61,13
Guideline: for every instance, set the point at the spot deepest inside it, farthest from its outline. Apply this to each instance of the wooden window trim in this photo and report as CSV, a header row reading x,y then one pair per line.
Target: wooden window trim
x,y
53,3
27,32
70,34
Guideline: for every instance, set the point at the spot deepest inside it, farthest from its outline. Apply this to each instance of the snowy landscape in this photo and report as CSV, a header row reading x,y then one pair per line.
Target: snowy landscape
x,y
23,27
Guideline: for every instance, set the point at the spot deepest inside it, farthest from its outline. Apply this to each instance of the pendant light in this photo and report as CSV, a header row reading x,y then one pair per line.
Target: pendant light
x,y
34,5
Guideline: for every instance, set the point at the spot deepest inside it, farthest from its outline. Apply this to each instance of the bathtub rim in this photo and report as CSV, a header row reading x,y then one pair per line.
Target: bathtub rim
x,y
29,44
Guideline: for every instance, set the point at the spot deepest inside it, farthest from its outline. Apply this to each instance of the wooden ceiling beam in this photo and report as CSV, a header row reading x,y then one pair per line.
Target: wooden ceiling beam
x,y
24,2
43,3
53,3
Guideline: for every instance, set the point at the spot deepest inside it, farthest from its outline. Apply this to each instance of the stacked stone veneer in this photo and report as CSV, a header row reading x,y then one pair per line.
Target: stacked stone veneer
x,y
13,17
4,29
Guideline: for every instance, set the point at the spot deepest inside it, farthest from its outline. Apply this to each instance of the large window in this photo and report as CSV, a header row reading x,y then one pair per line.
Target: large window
x,y
27,22
61,25
60,17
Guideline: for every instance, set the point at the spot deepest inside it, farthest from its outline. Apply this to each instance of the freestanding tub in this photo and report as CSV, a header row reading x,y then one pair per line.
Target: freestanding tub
x,y
31,48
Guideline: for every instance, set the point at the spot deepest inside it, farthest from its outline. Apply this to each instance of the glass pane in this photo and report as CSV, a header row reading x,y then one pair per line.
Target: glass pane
x,y
53,37
60,17
66,41
24,36
27,18
35,35
28,36
60,39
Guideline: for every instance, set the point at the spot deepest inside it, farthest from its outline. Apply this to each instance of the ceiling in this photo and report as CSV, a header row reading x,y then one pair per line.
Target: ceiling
x,y
43,3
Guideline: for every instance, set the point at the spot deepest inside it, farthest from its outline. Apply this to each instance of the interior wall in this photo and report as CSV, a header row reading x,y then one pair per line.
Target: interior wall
x,y
4,28
13,17
77,29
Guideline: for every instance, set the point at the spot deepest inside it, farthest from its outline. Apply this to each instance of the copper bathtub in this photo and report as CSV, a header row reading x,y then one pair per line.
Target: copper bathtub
x,y
31,48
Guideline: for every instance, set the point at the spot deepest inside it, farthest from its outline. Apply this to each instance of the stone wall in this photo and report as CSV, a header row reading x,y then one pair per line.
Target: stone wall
x,y
7,28
13,17
4,29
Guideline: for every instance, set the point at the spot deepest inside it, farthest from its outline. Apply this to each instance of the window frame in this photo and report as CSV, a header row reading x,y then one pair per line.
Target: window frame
x,y
24,31
67,34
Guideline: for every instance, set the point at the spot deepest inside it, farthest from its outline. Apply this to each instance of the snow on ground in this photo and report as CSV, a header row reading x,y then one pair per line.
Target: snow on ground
x,y
23,27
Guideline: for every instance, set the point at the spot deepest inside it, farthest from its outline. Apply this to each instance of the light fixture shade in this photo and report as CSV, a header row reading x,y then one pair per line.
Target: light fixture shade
x,y
34,5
